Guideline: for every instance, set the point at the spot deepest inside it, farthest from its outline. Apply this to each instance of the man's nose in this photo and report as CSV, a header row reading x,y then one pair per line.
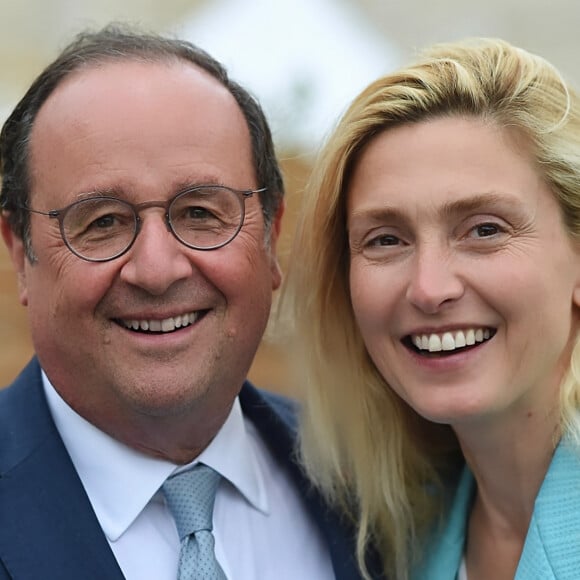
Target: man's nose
x,y
434,280
157,259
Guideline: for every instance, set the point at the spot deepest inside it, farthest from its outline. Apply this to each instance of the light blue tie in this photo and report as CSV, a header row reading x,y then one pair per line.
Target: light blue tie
x,y
190,496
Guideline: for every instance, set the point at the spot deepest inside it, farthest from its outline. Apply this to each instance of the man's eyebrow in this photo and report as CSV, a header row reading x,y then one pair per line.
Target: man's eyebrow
x,y
97,192
178,187
196,182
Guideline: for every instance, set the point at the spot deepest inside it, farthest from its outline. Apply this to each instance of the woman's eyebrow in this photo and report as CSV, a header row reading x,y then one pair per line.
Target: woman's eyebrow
x,y
479,202
378,214
451,209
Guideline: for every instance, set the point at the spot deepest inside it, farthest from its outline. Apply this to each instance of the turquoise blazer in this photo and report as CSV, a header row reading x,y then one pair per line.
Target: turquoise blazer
x,y
552,546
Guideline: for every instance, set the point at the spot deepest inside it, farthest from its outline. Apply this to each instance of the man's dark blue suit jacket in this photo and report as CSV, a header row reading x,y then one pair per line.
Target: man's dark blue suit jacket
x,y
48,530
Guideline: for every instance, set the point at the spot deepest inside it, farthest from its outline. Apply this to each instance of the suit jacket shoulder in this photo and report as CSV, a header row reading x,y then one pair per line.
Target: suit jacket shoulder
x,y
48,528
41,495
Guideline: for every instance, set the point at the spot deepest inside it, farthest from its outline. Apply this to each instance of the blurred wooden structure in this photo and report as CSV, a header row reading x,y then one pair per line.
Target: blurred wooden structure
x,y
15,344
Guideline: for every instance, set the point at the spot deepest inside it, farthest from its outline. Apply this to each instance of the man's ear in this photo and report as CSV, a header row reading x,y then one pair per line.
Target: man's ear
x,y
576,295
17,254
275,228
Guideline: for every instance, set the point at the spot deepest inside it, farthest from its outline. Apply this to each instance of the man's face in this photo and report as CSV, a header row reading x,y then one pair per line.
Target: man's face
x,y
141,132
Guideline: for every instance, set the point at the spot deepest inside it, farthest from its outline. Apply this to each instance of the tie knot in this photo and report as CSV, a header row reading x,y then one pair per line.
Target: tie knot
x,y
190,496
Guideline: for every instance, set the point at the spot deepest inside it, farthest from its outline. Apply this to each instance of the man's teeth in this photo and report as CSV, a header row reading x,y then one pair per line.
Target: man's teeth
x,y
450,340
166,325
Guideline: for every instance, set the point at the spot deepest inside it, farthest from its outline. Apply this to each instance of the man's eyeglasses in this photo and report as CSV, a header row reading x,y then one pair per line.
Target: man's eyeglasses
x,y
102,228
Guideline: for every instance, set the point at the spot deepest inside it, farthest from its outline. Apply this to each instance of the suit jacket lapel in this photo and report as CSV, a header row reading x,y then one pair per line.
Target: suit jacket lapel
x,y
275,418
48,524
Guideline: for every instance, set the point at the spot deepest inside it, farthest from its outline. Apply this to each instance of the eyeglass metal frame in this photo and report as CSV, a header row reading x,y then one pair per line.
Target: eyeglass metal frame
x,y
60,214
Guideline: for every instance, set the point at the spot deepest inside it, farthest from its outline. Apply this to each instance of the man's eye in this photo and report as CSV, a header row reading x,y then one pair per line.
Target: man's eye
x,y
105,221
198,213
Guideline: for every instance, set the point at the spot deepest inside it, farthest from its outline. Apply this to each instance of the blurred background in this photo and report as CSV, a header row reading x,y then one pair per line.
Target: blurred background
x,y
304,60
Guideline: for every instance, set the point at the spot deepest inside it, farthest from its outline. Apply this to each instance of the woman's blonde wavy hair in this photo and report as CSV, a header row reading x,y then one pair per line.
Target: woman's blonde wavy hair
x,y
361,444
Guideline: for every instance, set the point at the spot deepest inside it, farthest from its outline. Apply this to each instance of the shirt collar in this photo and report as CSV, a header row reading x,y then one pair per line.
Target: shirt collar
x,y
121,481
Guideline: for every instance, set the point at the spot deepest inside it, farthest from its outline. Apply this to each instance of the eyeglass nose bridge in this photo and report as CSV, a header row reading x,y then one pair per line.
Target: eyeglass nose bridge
x,y
164,205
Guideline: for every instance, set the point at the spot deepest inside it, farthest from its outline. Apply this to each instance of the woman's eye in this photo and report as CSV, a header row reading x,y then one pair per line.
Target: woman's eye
x,y
384,240
486,230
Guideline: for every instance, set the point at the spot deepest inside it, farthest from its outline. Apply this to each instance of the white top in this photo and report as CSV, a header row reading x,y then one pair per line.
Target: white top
x,y
462,572
261,527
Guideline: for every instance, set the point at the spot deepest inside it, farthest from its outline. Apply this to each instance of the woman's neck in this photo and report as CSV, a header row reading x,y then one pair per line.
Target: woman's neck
x,y
509,461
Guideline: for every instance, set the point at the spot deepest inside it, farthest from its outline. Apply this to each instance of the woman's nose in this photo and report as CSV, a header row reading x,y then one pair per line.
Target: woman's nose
x,y
434,280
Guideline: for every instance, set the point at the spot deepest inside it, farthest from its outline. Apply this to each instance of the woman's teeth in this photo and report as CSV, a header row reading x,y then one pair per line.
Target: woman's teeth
x,y
449,341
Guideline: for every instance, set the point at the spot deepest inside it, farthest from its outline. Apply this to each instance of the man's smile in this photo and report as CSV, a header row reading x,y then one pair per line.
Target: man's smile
x,y
170,324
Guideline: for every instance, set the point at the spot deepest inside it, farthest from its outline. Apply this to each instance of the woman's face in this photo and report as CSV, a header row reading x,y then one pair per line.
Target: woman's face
x,y
463,279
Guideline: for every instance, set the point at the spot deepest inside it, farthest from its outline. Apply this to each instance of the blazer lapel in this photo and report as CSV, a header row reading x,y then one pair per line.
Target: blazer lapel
x,y
552,547
48,527
442,556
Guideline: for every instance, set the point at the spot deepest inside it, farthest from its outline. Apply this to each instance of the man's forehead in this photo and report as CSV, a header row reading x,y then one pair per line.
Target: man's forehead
x,y
136,76
134,117
115,93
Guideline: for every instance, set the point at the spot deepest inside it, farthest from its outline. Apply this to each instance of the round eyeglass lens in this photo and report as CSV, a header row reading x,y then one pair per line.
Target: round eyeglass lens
x,y
100,228
206,217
